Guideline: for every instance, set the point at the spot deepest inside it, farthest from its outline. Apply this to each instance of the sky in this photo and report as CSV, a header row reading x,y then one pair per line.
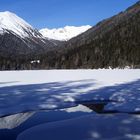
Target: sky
x,y
60,13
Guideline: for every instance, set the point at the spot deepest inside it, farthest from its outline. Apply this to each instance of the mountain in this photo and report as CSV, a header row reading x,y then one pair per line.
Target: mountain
x,y
12,24
64,34
20,42
22,46
113,42
10,21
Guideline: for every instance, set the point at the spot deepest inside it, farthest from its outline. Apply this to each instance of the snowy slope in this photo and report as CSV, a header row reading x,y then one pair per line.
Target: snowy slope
x,y
10,21
65,33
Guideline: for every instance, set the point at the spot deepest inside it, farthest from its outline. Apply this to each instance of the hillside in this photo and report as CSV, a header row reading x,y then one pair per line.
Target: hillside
x,y
114,42
20,43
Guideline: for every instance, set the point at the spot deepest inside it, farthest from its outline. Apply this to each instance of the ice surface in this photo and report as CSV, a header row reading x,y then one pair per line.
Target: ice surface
x,y
21,91
90,127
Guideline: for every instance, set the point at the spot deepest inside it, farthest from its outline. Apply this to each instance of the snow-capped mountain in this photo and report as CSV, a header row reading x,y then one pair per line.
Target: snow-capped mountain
x,y
64,34
10,21
113,42
20,42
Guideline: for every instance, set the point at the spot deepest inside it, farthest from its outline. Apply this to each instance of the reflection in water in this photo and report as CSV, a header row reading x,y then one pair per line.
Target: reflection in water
x,y
13,121
12,126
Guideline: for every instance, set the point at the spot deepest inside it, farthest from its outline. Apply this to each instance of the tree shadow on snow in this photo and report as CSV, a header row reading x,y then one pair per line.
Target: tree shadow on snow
x,y
127,96
56,95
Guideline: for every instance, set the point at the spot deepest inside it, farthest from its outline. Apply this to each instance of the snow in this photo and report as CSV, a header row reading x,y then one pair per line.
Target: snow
x,y
90,127
10,21
64,34
21,91
79,108
60,91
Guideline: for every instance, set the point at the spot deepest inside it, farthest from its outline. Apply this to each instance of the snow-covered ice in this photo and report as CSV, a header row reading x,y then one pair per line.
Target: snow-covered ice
x,y
59,90
21,91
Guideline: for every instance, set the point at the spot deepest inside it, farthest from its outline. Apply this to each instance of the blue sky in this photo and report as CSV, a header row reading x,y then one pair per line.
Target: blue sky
x,y
59,13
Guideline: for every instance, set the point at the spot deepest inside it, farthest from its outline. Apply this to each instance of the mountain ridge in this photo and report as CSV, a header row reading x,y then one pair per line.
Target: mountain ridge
x,y
10,21
113,42
20,43
64,33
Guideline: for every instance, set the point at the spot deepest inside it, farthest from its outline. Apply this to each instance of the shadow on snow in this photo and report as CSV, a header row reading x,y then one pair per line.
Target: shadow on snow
x,y
23,98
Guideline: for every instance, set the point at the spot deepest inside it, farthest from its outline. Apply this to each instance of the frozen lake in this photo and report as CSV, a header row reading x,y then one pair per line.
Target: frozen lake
x,y
29,92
